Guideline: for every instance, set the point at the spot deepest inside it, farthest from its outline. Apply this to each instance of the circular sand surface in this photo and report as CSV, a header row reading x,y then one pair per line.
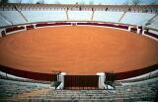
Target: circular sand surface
x,y
77,50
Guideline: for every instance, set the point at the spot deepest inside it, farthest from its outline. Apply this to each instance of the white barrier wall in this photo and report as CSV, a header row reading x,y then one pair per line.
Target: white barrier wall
x,y
152,31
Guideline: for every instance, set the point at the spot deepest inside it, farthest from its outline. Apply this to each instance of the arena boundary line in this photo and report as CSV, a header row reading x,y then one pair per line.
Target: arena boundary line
x,y
150,37
98,24
9,33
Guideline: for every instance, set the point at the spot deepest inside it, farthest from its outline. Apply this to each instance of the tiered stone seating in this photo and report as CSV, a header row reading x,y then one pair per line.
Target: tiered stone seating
x,y
107,16
136,18
45,16
13,17
3,22
9,88
80,15
140,91
154,23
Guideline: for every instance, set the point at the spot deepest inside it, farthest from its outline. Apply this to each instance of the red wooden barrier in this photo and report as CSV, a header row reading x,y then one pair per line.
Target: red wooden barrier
x,y
81,82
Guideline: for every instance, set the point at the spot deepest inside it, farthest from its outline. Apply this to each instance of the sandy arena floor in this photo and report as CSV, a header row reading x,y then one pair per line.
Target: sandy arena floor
x,y
77,50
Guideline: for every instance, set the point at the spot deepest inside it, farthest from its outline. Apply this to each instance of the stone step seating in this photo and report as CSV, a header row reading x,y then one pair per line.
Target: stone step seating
x,y
145,91
140,91
10,88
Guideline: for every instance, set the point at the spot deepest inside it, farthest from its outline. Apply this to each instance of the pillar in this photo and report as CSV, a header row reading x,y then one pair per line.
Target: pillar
x,y
34,26
143,31
101,81
25,28
138,30
61,79
129,28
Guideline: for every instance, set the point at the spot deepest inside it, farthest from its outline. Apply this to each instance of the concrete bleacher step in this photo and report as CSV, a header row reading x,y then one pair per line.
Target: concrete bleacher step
x,y
78,100
18,92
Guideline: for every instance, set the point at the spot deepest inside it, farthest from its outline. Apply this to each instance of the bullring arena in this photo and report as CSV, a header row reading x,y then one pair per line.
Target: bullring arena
x,y
78,55
80,50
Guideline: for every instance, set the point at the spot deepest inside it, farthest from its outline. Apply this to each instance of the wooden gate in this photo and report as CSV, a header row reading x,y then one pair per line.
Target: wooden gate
x,y
81,82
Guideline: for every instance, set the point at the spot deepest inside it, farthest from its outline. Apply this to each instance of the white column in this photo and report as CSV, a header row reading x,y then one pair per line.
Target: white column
x,y
101,81
25,28
129,28
67,15
138,30
61,79
143,30
34,26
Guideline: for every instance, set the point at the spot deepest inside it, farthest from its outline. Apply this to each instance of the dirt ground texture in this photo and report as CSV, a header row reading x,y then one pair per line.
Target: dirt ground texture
x,y
77,50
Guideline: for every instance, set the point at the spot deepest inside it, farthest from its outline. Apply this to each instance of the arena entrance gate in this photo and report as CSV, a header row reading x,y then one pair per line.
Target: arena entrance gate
x,y
81,81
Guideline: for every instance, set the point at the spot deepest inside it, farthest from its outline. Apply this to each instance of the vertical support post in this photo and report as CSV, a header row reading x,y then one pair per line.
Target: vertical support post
x,y
67,15
25,28
143,31
129,28
101,81
34,26
92,14
138,30
61,79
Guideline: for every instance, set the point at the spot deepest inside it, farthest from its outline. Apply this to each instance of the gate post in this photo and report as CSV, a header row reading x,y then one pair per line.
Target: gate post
x,y
101,81
138,30
129,28
61,79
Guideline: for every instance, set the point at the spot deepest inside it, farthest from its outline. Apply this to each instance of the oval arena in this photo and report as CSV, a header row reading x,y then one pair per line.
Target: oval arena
x,y
78,52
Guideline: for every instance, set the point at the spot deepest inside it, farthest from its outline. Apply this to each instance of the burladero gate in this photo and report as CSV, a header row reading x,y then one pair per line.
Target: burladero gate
x,y
69,82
